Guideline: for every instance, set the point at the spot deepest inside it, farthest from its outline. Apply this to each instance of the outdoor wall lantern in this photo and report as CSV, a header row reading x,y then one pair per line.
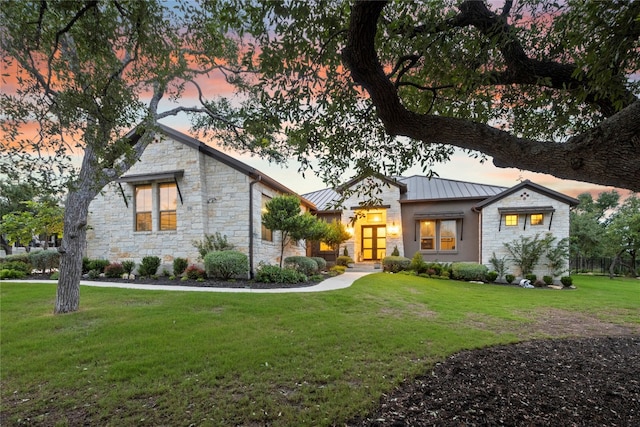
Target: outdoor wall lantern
x,y
393,229
350,231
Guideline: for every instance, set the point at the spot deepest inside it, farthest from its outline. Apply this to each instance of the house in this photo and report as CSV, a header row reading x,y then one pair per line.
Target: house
x,y
180,191
444,220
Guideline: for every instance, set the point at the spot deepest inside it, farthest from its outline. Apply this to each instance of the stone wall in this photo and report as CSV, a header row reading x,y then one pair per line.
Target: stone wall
x,y
494,234
215,198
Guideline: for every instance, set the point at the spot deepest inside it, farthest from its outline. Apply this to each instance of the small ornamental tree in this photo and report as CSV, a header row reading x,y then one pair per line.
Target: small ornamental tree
x,y
283,214
336,234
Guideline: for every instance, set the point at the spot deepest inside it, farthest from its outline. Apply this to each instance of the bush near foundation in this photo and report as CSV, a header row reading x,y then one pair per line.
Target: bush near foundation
x,y
469,271
114,270
394,264
303,264
226,264
149,266
267,273
45,260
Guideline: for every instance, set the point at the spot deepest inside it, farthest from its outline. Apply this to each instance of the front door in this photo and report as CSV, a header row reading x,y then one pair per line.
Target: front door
x,y
374,242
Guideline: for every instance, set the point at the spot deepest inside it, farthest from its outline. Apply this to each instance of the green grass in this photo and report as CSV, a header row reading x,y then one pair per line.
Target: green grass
x,y
131,357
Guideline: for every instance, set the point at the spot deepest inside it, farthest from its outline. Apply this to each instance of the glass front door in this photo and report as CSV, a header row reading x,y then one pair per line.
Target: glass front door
x,y
374,242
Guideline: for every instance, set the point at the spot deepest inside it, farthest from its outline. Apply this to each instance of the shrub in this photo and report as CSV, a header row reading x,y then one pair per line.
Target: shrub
x,y
55,275
445,274
303,264
149,266
566,281
417,263
267,273
322,263
469,271
114,270
509,278
194,272
17,266
539,283
531,277
548,280
499,265
128,266
345,252
212,243
23,258
45,260
98,264
179,266
337,270
85,265
93,274
395,252
12,274
226,264
434,268
395,264
492,276
344,260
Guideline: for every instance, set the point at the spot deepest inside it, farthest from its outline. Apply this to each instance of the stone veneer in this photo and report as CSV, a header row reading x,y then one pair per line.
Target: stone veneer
x,y
390,196
215,198
495,235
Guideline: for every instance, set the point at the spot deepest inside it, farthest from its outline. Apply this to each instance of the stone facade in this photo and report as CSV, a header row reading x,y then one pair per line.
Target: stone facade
x,y
523,201
216,194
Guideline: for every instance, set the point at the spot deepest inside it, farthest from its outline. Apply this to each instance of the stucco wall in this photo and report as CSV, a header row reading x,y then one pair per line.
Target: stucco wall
x,y
494,235
215,198
467,230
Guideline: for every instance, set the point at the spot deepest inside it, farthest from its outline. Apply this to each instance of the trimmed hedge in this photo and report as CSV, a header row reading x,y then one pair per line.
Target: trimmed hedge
x,y
322,263
344,260
268,273
226,264
469,271
179,266
303,264
12,274
114,270
394,264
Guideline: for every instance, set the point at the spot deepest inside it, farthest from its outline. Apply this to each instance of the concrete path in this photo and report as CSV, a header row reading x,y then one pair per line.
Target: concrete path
x,y
331,284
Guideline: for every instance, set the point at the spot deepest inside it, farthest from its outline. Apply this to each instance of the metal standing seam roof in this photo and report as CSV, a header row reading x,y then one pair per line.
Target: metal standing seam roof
x,y
423,188
418,188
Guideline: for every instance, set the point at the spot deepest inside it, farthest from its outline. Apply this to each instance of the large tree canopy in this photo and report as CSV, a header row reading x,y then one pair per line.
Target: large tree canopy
x,y
539,85
83,74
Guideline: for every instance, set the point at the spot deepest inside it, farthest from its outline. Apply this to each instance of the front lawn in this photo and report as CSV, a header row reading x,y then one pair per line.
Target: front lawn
x,y
133,357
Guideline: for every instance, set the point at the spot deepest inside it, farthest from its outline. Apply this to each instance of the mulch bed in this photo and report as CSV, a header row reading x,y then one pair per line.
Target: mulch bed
x,y
568,382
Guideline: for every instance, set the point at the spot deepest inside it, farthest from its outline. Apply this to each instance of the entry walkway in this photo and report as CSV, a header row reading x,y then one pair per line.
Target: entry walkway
x,y
331,284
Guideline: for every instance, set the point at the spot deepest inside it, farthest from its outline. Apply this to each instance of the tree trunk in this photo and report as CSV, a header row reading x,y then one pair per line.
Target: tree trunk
x,y
72,249
5,245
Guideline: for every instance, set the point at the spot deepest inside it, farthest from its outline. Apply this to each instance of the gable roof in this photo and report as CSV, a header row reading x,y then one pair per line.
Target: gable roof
x,y
227,160
528,184
422,188
387,180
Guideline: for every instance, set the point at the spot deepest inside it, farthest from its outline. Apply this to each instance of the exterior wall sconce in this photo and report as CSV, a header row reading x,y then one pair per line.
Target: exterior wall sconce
x,y
393,229
350,231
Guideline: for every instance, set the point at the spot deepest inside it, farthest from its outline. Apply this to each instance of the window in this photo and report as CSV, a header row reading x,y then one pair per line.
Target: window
x,y
168,203
511,220
438,235
143,207
428,235
266,233
325,248
448,235
537,219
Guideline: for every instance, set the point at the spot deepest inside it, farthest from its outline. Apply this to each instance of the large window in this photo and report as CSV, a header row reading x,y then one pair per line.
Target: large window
x,y
438,235
168,195
428,235
143,207
266,233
